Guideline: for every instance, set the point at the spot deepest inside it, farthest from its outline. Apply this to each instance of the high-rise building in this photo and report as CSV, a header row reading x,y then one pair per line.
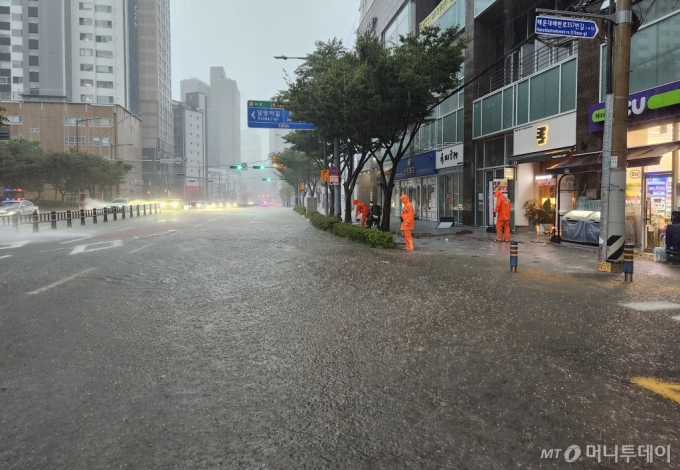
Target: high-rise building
x,y
189,136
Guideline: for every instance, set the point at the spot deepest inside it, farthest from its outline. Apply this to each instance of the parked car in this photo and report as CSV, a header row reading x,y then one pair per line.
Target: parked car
x,y
119,202
11,207
197,205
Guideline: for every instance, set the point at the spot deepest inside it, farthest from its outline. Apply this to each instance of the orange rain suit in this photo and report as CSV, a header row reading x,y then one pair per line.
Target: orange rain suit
x,y
502,211
407,221
363,209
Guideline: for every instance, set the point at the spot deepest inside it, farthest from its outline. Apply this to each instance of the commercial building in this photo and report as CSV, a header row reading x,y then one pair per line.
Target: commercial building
x,y
531,112
107,130
190,151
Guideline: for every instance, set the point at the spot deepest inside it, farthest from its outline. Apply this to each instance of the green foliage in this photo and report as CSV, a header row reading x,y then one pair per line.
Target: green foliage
x,y
300,209
296,167
322,222
544,214
371,237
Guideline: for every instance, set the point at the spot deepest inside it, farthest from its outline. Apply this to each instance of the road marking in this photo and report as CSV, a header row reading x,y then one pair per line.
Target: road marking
x,y
212,220
100,246
76,240
197,225
677,318
665,389
651,306
6,256
14,245
58,283
122,230
137,250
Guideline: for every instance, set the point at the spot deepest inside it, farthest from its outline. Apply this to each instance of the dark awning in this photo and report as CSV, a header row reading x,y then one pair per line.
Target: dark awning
x,y
541,156
646,155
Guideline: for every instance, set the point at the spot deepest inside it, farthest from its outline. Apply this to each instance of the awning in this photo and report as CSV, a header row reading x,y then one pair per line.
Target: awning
x,y
541,156
646,155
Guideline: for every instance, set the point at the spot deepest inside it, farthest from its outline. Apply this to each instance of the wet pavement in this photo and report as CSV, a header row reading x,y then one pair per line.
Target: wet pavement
x,y
248,339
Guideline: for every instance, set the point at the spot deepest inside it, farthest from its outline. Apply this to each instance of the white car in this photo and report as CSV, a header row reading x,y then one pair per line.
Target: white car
x,y
24,207
119,202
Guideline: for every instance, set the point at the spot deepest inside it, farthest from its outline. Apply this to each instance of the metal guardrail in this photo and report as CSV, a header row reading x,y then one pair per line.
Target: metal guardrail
x,y
83,214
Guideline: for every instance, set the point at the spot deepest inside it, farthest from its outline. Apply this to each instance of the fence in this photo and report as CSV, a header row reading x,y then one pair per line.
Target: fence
x,y
113,213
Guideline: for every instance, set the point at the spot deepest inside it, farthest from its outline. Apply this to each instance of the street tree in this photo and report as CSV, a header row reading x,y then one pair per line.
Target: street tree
x,y
297,167
21,165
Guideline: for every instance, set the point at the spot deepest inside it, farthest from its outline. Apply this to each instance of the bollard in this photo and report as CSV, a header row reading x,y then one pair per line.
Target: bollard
x,y
69,219
628,263
105,211
144,205
155,206
122,211
137,210
131,213
15,221
53,220
35,221
514,247
115,213
94,216
82,216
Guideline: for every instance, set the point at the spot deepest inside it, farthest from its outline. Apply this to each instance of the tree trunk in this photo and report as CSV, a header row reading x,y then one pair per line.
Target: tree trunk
x,y
387,201
349,189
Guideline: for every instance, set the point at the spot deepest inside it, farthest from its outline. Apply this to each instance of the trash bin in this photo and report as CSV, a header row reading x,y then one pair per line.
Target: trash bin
x,y
580,226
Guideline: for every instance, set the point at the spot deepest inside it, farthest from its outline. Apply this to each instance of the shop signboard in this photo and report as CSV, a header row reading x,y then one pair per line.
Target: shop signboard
x,y
549,134
448,157
646,105
416,166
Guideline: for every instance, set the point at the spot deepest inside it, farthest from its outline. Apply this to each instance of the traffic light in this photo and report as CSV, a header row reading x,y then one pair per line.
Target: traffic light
x,y
235,167
259,167
266,179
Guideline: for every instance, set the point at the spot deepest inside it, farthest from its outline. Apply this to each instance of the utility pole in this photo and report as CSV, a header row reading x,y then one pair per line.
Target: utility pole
x,y
615,140
325,167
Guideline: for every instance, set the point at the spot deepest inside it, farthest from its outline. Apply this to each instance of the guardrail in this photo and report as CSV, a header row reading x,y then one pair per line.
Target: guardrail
x,y
83,214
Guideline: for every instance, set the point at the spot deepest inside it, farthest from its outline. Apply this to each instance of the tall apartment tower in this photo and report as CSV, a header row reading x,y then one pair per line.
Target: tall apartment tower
x,y
155,79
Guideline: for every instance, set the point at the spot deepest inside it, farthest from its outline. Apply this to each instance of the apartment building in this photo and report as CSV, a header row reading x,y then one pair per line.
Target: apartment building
x,y
190,149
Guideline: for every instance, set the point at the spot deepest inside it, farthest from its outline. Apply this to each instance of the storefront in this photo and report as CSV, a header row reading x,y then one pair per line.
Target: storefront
x,y
449,165
537,147
416,177
652,177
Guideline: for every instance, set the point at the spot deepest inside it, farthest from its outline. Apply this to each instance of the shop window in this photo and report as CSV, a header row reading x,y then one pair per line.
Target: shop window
x,y
568,87
544,95
655,57
491,113
494,151
477,119
449,128
508,98
523,102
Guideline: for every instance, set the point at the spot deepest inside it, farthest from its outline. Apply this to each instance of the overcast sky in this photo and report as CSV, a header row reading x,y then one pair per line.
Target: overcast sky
x,y
243,36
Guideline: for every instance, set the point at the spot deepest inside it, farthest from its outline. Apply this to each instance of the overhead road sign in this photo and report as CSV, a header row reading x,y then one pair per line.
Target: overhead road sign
x,y
566,27
269,115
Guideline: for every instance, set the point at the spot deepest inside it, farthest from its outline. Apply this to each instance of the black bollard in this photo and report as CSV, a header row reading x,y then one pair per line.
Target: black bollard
x,y
82,216
155,206
69,219
514,248
137,210
115,213
53,220
105,211
144,209
36,218
131,213
94,216
122,211
628,257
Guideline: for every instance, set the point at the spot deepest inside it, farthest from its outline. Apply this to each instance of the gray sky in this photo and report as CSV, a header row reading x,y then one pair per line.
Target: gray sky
x,y
243,36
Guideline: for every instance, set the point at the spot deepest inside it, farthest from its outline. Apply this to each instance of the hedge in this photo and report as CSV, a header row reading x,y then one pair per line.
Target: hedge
x,y
372,237
300,209
322,222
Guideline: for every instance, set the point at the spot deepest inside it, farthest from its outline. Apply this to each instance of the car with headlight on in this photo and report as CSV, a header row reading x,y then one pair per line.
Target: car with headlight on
x,y
11,207
119,202
172,205
197,205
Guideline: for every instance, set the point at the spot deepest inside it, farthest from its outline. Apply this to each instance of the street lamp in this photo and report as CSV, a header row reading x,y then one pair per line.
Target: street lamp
x,y
283,57
78,121
101,147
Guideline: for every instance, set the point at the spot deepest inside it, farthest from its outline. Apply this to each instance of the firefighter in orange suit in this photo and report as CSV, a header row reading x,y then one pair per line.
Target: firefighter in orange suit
x,y
361,209
407,221
502,212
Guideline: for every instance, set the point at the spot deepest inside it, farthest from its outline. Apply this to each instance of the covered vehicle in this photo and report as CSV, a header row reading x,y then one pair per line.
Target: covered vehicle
x,y
11,207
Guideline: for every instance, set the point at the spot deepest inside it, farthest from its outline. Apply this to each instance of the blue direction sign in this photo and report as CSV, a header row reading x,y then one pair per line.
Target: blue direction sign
x,y
566,27
275,118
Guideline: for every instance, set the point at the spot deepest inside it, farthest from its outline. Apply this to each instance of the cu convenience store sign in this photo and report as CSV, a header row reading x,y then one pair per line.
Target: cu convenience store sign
x,y
647,105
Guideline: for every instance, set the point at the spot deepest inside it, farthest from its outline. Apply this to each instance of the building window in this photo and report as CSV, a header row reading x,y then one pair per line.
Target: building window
x,y
17,64
102,8
86,67
86,36
104,69
34,77
106,39
105,54
71,122
35,129
87,98
71,140
16,16
33,60
16,33
104,84
17,48
106,141
103,24
32,11
400,26
15,120
86,52
4,80
85,21
86,82
85,5
17,79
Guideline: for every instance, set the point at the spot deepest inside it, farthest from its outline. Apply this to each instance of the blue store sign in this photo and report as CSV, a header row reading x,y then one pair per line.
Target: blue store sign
x,y
417,166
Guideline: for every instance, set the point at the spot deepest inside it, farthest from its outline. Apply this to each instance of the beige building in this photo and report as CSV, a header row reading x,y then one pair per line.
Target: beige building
x,y
108,130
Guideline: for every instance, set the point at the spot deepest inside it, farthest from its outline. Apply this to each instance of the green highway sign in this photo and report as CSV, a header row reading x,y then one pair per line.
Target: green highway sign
x,y
263,104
